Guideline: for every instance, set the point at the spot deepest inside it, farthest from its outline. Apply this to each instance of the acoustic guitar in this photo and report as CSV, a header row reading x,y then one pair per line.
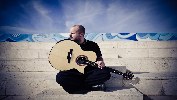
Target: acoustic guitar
x,y
67,54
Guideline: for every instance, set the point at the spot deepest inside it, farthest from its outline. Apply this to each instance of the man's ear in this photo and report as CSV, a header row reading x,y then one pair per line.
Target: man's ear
x,y
81,34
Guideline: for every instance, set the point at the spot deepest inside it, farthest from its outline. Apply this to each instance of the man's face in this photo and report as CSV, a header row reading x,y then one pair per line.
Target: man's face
x,y
74,34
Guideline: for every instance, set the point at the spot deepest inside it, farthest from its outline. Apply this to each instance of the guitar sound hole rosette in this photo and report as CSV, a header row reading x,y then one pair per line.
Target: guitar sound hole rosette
x,y
81,60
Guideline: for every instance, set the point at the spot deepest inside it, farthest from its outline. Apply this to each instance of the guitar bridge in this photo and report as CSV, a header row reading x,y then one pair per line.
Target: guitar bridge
x,y
70,55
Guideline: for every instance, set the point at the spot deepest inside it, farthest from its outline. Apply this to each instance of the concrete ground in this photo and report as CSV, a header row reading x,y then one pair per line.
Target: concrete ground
x,y
25,72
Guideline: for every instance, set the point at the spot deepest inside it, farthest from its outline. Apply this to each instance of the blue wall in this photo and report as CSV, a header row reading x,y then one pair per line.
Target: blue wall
x,y
90,36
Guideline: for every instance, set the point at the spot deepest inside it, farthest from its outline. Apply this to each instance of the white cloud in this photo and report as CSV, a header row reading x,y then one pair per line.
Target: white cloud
x,y
115,17
96,16
84,13
39,17
45,22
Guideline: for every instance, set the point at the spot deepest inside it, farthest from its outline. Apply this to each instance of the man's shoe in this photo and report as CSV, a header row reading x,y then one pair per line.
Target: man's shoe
x,y
100,87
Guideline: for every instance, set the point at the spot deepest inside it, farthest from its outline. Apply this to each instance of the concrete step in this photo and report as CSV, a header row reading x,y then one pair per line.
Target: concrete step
x,y
149,97
138,44
26,45
33,82
60,94
16,74
103,44
133,64
144,64
159,84
17,65
28,86
125,53
106,52
139,53
112,94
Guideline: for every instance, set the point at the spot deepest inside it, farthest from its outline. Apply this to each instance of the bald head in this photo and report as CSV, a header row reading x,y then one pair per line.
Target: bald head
x,y
79,28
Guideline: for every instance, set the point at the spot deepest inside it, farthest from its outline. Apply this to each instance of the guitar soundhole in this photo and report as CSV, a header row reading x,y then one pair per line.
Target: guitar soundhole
x,y
81,60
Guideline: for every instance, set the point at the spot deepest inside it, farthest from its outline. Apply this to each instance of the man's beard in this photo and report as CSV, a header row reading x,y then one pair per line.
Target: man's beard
x,y
75,40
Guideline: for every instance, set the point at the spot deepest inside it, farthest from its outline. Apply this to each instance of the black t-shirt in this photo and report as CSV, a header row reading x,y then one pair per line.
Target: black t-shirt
x,y
91,46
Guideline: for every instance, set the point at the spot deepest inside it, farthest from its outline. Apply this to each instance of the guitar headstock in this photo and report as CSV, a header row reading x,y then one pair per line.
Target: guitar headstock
x,y
128,75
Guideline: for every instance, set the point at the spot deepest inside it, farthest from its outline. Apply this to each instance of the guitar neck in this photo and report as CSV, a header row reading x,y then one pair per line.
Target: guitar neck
x,y
109,69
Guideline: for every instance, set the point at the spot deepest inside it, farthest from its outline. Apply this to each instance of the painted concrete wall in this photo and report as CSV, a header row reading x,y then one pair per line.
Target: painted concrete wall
x,y
97,37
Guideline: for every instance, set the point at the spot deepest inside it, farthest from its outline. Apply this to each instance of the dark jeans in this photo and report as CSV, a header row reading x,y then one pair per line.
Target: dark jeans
x,y
73,81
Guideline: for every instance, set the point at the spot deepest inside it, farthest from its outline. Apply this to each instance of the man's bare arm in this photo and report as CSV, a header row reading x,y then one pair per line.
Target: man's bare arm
x,y
100,62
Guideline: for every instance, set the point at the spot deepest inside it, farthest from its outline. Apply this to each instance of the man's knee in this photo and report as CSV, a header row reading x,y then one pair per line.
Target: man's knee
x,y
102,72
106,73
59,78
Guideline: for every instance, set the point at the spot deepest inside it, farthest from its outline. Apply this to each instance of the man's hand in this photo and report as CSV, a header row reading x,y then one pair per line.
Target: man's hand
x,y
101,64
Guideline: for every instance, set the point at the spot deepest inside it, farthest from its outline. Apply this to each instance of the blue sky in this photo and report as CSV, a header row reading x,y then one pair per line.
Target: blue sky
x,y
115,16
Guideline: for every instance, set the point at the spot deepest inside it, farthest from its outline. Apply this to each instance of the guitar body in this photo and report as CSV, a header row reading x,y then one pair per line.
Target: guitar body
x,y
64,55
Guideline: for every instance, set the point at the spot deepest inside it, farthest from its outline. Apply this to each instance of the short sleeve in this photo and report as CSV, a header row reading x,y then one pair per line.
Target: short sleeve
x,y
91,46
97,50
